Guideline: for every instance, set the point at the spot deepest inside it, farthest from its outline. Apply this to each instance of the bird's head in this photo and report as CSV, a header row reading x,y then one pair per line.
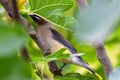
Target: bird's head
x,y
37,19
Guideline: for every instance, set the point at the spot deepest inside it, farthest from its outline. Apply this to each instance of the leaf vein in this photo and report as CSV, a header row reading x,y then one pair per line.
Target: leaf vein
x,y
38,3
54,12
51,6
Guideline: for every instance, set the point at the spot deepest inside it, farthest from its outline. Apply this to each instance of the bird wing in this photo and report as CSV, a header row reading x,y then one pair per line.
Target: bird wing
x,y
58,37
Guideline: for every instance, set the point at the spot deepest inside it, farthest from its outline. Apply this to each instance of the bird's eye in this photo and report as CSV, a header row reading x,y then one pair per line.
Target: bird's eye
x,y
37,17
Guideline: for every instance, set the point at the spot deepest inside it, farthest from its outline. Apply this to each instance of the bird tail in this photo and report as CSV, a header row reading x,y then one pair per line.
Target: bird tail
x,y
78,61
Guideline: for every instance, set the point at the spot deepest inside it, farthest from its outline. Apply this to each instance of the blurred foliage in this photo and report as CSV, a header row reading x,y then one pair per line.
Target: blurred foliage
x,y
75,76
11,37
100,19
12,67
115,74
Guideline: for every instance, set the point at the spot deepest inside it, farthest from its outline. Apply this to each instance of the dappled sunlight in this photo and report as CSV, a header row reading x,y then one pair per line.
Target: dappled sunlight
x,y
113,53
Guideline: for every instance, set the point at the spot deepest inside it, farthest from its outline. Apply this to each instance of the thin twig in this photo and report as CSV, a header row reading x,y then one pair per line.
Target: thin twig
x,y
24,54
11,8
103,57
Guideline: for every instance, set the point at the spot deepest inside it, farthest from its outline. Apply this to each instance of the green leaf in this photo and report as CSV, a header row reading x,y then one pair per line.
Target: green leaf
x,y
35,76
78,54
59,54
12,37
65,78
52,10
56,54
53,56
64,56
44,60
98,20
14,68
115,36
75,76
33,50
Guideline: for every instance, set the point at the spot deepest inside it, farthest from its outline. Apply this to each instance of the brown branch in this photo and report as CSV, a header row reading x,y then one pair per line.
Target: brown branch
x,y
11,8
103,57
24,54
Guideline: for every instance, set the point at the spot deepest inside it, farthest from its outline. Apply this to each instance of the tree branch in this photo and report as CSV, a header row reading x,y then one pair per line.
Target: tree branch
x,y
11,8
99,47
25,54
103,57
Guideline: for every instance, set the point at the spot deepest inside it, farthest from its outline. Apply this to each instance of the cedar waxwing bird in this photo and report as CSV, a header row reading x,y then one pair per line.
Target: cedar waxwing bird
x,y
52,41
